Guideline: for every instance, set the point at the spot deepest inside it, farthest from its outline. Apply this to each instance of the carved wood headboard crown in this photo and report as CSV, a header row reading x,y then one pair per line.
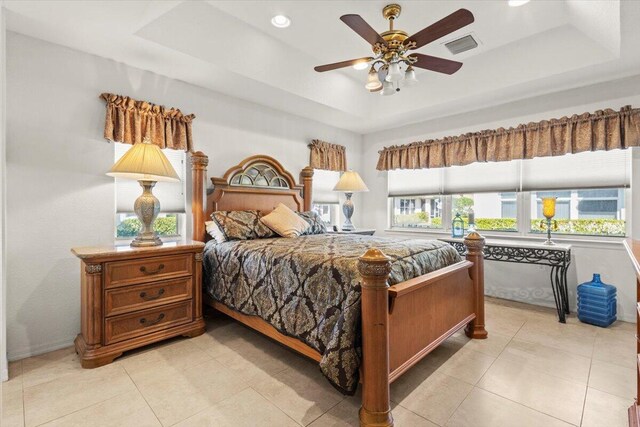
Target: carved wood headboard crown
x,y
257,183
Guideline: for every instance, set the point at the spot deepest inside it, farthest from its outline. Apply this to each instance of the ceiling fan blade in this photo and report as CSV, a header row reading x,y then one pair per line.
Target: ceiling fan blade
x,y
360,26
458,19
434,63
336,65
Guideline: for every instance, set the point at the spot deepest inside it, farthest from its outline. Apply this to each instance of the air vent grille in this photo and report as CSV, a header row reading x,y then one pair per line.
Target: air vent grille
x,y
462,44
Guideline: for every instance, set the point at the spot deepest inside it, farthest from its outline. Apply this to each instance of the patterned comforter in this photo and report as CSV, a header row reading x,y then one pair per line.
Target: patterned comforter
x,y
309,287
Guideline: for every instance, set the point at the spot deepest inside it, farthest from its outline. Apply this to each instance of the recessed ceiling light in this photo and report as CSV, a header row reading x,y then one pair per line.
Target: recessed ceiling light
x,y
361,65
516,3
280,21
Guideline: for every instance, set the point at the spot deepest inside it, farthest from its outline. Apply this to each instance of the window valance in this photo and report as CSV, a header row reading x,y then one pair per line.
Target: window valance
x,y
129,121
603,130
327,156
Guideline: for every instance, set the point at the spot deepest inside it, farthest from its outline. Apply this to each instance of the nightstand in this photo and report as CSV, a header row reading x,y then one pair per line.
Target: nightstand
x,y
131,297
362,231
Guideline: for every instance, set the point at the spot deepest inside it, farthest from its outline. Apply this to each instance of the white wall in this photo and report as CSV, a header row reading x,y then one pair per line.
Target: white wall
x,y
58,194
513,281
4,371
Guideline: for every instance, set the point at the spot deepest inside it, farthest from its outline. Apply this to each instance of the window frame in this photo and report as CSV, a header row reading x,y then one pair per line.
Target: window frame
x,y
523,219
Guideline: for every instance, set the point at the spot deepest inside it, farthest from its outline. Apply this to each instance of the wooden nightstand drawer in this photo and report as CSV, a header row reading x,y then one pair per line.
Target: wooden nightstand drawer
x,y
123,273
131,298
127,326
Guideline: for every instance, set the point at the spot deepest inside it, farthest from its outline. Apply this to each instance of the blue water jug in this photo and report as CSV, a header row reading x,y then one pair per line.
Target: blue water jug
x,y
597,302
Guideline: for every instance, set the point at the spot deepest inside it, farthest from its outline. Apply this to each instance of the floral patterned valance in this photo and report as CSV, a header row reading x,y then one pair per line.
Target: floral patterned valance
x,y
603,130
130,121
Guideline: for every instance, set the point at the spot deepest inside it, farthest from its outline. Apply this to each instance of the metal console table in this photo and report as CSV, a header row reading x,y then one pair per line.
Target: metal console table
x,y
558,257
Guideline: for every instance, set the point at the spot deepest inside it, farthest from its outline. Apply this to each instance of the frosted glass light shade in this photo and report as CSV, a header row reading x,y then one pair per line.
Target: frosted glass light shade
x,y
373,82
144,162
410,77
394,73
350,182
387,89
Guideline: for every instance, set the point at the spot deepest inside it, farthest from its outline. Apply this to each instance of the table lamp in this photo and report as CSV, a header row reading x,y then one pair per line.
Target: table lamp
x,y
349,183
147,164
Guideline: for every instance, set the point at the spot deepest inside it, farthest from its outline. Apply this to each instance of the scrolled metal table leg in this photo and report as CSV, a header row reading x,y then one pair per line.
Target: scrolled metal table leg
x,y
557,293
565,268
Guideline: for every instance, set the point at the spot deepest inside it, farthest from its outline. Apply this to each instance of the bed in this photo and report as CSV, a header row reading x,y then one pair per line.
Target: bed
x,y
366,308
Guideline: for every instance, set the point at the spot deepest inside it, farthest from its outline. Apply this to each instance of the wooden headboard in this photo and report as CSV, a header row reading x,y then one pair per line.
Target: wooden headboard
x,y
258,183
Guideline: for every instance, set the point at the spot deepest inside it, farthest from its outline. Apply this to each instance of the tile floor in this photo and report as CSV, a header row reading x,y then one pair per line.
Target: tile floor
x,y
532,371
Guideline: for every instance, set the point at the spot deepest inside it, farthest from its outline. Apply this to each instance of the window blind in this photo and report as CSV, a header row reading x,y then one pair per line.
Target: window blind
x,y
592,169
323,183
170,194
482,177
415,182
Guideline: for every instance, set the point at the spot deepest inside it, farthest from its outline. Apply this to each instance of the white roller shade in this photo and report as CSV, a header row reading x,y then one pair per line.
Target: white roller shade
x,y
415,182
323,183
482,177
594,169
170,194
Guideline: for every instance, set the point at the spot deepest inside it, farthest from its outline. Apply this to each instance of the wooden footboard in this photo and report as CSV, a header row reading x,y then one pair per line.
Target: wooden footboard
x,y
401,324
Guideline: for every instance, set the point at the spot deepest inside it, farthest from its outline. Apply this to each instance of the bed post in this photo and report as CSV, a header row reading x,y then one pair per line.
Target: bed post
x,y
199,163
307,183
475,243
374,267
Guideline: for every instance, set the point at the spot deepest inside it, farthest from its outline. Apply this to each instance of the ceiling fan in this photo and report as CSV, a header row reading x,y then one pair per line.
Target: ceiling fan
x,y
391,50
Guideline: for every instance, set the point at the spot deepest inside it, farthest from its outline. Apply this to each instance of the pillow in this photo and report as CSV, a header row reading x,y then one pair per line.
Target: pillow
x,y
241,225
317,225
215,232
285,222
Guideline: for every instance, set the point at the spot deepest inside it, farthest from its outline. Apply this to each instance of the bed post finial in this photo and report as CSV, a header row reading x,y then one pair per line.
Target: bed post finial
x,y
475,244
374,267
307,183
199,163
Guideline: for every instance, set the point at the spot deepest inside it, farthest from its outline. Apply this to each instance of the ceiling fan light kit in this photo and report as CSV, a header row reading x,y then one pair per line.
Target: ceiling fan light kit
x,y
392,62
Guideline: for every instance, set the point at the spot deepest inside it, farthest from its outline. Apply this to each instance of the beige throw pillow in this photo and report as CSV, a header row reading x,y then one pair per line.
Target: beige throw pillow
x,y
285,222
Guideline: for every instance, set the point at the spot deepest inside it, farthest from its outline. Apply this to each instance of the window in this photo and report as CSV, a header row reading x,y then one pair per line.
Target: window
x,y
492,211
591,191
417,212
598,212
171,195
128,225
328,212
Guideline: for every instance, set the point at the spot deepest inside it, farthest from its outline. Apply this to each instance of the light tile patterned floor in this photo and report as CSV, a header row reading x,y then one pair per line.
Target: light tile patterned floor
x,y
532,371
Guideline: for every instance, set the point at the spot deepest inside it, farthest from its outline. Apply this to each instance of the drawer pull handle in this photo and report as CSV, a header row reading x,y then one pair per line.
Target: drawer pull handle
x,y
144,269
145,322
146,297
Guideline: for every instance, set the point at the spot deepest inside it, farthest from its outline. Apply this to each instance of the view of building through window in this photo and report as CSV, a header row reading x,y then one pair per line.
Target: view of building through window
x,y
590,212
417,211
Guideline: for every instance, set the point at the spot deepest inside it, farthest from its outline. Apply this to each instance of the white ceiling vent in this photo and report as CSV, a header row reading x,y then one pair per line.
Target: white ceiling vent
x,y
462,44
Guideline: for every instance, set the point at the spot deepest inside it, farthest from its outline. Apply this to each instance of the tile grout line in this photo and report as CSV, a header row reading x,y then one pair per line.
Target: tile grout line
x,y
325,412
279,409
485,372
141,394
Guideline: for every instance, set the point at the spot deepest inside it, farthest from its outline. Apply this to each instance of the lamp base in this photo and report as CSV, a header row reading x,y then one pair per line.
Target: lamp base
x,y
146,207
347,210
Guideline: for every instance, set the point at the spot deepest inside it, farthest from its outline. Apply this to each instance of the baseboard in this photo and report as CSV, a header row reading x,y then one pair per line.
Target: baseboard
x,y
4,376
40,349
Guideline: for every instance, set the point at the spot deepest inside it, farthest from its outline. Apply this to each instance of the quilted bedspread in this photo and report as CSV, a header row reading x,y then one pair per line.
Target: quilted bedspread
x,y
309,287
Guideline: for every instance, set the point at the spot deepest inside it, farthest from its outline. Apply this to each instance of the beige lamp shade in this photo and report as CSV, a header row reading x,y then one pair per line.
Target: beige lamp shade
x,y
350,182
144,162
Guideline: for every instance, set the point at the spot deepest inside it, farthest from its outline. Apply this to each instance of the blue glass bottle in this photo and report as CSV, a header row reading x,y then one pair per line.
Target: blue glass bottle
x,y
457,226
597,302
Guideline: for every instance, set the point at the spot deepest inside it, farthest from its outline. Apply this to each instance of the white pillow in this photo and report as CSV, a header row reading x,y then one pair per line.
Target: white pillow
x,y
214,231
285,222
